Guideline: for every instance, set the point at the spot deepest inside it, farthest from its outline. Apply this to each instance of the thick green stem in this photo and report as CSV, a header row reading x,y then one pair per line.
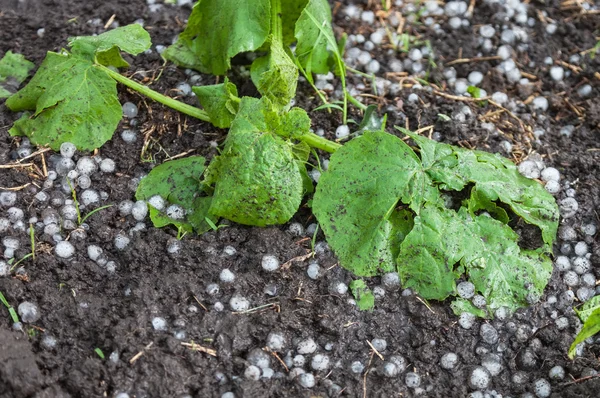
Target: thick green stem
x,y
156,96
320,143
276,25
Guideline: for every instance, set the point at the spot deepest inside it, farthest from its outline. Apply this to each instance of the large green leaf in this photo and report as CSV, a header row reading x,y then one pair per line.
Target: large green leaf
x,y
290,12
257,180
315,35
177,182
73,101
220,101
591,326
13,67
357,203
218,30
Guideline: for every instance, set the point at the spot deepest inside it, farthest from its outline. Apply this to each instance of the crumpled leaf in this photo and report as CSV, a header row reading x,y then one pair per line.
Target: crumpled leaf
x,y
591,326
460,305
376,187
362,294
314,34
257,180
178,182
73,102
275,75
218,30
14,69
220,101
588,308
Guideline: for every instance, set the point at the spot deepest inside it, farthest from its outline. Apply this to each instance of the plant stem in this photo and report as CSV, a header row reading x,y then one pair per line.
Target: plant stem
x,y
156,96
311,139
276,25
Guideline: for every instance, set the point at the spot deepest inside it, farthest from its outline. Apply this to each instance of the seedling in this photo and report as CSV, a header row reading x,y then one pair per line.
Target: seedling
x,y
590,316
11,310
81,220
99,352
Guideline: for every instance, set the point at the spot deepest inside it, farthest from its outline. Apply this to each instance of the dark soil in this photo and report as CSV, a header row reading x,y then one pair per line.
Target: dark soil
x,y
84,307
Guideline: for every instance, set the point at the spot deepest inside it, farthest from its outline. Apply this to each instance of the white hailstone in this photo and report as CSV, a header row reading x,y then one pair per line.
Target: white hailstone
x,y
296,229
89,197
342,131
557,373
487,31
276,341
562,263
267,373
307,346
373,67
567,130
52,229
540,104
412,380
175,212
357,367
226,276
41,196
550,174
508,36
570,278
568,207
229,251
480,378
227,394
68,212
581,249
121,241
589,229
299,361
130,110
529,169
270,263
86,165
157,202
339,288
64,249
449,360
252,373
504,52
466,320
466,290
551,28
391,280
15,214
557,73
415,54
488,333
492,363
49,342
377,36
259,358
320,362
29,312
67,149
581,265
94,252
306,380
455,22
125,208
413,98
368,17
475,78
111,266
64,165
313,271
159,323
584,90
513,75
479,301
84,182
378,292
352,11
10,243
454,8
212,289
72,175
552,187
379,344
8,198
139,210
219,306
129,136
364,58
239,303
184,88
460,86
542,388
4,268
588,280
585,293
107,165
295,372
4,224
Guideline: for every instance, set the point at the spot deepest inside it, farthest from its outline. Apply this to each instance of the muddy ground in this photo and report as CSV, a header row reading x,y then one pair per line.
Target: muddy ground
x,y
84,307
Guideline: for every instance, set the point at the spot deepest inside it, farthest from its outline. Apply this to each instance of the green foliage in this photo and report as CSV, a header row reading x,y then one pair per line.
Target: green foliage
x,y
590,316
220,101
71,99
362,294
314,33
382,208
178,183
13,67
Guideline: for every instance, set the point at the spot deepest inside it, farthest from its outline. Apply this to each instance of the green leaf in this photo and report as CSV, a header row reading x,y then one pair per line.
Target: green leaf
x,y
13,67
220,101
474,91
178,183
381,206
461,305
73,101
218,30
290,12
314,34
588,308
591,326
275,76
371,121
362,294
257,180
294,124
132,39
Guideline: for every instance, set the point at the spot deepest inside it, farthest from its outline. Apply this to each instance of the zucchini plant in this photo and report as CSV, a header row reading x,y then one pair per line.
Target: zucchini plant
x,y
382,202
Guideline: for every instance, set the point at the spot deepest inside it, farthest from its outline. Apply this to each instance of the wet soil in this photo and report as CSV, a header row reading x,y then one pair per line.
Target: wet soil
x,y
85,307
